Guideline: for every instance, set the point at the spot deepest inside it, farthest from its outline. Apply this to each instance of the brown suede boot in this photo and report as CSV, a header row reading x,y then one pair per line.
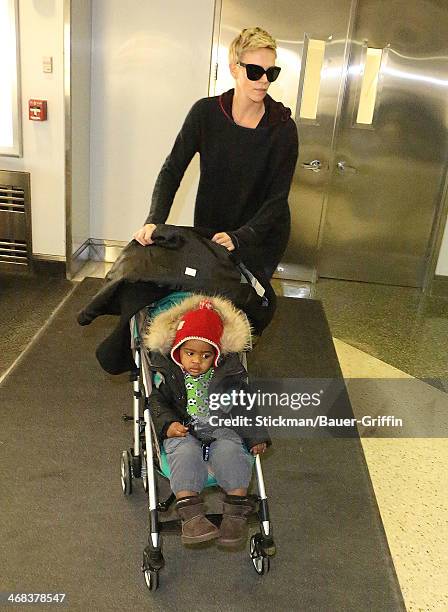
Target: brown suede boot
x,y
233,531
195,525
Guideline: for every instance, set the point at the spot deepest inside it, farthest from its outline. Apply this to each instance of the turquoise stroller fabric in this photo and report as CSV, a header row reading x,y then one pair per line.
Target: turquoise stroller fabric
x,y
167,302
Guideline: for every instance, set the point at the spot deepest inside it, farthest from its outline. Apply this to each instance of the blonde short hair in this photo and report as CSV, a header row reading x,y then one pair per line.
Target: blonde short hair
x,y
250,39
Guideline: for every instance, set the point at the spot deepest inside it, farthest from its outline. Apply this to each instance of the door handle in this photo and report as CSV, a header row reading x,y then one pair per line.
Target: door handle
x,y
315,165
346,169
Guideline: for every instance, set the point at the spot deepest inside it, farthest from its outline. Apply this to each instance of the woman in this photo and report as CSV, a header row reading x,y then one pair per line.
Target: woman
x,y
248,150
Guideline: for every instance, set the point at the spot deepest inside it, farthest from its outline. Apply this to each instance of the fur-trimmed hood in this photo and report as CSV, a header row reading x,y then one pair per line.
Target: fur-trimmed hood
x,y
236,336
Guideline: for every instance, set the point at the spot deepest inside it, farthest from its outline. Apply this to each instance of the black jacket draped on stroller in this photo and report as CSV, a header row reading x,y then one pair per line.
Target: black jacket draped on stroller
x,y
181,259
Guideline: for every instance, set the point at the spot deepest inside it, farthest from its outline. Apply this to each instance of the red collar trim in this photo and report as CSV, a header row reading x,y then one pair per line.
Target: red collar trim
x,y
220,99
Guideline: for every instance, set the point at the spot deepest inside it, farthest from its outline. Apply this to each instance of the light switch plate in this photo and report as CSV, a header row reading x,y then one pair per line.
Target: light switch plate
x,y
47,65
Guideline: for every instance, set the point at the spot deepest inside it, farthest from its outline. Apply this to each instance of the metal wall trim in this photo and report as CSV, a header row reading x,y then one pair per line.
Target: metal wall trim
x,y
215,46
67,61
44,257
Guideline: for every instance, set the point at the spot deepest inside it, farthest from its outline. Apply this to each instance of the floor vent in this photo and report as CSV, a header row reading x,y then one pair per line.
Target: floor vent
x,y
15,220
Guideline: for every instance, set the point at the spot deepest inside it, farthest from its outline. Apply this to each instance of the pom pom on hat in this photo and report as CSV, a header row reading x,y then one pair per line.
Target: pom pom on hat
x,y
202,323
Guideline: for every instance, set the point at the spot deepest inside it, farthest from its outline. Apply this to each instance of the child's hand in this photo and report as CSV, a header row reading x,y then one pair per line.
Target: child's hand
x,y
176,430
258,448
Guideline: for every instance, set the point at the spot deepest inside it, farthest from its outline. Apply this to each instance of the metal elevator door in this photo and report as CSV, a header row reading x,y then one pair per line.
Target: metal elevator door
x,y
366,189
388,174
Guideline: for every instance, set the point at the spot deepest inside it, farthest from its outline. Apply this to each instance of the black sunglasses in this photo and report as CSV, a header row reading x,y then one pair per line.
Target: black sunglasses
x,y
255,72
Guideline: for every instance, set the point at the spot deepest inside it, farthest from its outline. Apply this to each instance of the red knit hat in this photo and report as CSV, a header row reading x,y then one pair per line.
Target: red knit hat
x,y
203,323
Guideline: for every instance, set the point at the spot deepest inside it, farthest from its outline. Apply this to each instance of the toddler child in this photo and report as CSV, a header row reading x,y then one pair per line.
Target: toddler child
x,y
194,350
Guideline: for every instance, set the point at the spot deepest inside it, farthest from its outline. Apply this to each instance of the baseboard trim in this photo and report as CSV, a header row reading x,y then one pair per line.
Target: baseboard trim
x,y
48,265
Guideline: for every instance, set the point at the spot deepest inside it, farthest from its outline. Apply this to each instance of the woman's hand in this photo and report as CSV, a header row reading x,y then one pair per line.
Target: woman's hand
x,y
143,236
176,430
258,448
225,240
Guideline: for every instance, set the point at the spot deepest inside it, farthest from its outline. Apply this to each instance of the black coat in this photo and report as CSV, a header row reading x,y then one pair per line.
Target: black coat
x,y
181,259
168,402
245,175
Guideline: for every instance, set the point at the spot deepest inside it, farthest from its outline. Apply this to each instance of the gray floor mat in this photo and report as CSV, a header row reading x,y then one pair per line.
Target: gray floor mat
x,y
66,527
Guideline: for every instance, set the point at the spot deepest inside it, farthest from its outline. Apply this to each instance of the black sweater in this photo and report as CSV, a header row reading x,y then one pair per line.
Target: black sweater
x,y
245,177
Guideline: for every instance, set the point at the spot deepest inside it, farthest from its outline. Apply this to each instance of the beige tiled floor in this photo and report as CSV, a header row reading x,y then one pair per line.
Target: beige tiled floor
x,y
409,476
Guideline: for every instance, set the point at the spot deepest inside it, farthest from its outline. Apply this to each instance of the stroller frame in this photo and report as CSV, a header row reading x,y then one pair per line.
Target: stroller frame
x,y
139,462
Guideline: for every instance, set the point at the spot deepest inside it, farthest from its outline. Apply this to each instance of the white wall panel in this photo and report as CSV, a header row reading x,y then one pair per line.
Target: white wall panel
x,y
150,63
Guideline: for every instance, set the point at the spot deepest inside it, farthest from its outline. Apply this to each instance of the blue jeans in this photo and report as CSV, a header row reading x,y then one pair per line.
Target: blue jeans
x,y
229,461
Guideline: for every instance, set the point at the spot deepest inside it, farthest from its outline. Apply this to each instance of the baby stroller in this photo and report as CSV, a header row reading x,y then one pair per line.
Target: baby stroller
x,y
147,461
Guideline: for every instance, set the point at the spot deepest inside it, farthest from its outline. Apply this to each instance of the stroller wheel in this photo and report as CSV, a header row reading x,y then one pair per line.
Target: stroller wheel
x,y
151,579
260,562
126,472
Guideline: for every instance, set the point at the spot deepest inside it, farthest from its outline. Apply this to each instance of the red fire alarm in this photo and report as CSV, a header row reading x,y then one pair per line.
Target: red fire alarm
x,y
37,110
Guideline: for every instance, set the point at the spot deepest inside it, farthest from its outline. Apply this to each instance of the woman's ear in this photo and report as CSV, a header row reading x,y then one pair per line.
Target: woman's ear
x,y
233,70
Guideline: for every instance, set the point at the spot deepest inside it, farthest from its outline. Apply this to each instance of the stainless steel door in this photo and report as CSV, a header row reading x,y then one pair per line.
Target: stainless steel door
x,y
387,176
367,189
